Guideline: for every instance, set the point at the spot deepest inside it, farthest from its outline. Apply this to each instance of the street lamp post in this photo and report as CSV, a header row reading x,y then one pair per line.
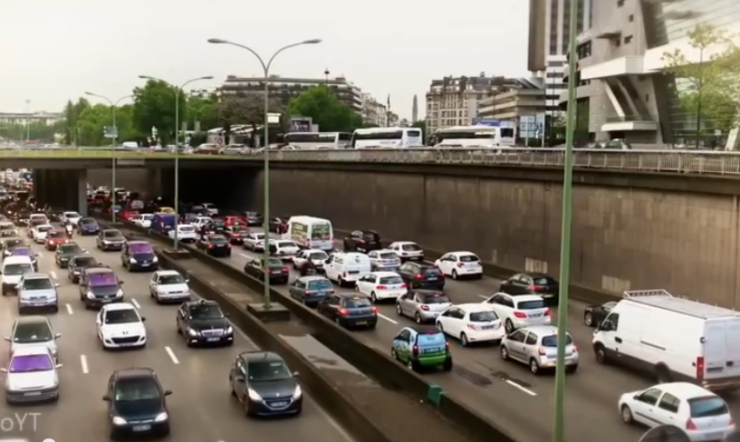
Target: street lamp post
x,y
114,136
266,147
176,203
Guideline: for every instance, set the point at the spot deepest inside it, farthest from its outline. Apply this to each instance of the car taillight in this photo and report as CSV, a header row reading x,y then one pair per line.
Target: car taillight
x,y
541,351
419,276
307,293
575,347
403,286
699,368
381,287
424,307
447,346
472,327
547,312
690,424
343,311
210,246
344,274
374,309
520,315
360,241
459,264
732,422
285,270
533,288
415,350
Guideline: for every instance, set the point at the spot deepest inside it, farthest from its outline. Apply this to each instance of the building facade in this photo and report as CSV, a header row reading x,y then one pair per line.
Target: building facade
x,y
514,103
373,112
625,91
16,118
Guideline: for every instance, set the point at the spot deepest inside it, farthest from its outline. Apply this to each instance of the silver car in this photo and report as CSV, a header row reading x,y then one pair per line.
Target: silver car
x,y
384,260
37,291
537,346
422,305
33,331
31,376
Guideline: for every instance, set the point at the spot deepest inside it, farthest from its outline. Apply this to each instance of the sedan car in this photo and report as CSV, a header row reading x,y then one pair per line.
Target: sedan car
x,y
202,322
215,245
54,238
38,233
264,385
422,305
537,347
31,376
595,314
136,403
419,275
278,271
110,239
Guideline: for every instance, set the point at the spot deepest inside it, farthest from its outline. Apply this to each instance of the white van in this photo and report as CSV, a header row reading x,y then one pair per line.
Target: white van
x,y
347,268
310,233
14,267
672,338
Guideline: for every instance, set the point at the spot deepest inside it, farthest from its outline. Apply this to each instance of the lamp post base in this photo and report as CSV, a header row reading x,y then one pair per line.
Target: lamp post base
x,y
272,313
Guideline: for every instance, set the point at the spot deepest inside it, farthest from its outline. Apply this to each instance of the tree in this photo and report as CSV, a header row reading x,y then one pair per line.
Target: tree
x,y
154,106
421,124
325,109
202,110
248,109
72,111
711,87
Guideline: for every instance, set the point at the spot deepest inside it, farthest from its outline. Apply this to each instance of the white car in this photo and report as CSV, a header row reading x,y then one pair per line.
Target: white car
x,y
211,208
283,249
519,311
38,217
384,260
460,264
185,233
120,326
144,220
471,323
72,217
255,241
380,286
39,232
201,221
407,250
316,256
701,414
31,376
169,286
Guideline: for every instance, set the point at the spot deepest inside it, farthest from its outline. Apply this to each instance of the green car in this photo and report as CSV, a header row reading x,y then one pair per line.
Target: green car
x,y
422,347
65,252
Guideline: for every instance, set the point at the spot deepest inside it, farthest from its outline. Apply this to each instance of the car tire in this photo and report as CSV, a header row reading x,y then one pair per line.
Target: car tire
x,y
399,310
504,352
571,368
373,298
454,274
600,354
626,413
394,355
588,319
464,340
447,366
417,318
534,366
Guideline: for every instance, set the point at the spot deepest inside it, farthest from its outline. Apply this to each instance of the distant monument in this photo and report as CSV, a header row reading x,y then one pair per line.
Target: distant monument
x,y
415,110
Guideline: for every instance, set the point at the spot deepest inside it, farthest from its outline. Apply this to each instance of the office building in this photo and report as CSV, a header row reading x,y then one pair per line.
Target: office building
x,y
624,90
509,104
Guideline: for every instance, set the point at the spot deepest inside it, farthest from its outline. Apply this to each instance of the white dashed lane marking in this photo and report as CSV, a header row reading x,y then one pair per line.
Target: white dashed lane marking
x,y
83,363
172,355
135,303
69,309
387,318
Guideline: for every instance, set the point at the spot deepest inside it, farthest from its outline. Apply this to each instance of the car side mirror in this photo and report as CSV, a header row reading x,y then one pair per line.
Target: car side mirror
x,y
295,373
187,281
167,392
227,315
143,319
57,336
56,284
106,398
58,366
637,396
120,282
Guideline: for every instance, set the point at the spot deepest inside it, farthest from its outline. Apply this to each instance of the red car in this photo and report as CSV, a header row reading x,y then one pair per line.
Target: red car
x,y
54,238
234,221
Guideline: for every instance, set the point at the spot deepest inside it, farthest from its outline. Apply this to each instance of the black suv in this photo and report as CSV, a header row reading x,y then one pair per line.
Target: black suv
x,y
362,241
203,322
137,403
422,276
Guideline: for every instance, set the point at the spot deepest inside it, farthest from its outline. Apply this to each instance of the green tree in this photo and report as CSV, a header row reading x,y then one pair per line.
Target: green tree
x,y
154,106
72,111
90,124
709,88
203,110
325,109
248,109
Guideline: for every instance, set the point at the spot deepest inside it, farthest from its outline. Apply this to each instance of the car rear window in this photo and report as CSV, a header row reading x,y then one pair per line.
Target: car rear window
x,y
430,338
544,281
218,239
357,303
436,298
483,317
112,234
106,278
186,229
371,237
391,280
430,271
388,255
469,258
410,247
552,341
707,406
286,244
530,305
320,285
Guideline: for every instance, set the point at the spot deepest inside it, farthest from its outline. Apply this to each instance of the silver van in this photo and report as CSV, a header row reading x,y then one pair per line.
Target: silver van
x,y
37,291
33,331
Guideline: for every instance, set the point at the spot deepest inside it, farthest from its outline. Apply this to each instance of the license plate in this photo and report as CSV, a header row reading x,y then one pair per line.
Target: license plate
x,y
32,393
213,339
145,265
279,404
431,279
142,427
361,322
431,350
714,436
488,327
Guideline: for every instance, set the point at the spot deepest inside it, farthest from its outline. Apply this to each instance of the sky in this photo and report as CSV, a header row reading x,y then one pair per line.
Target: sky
x,y
55,50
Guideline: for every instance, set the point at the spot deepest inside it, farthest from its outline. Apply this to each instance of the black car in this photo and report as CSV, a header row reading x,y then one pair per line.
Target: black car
x,y
139,255
110,239
253,218
362,241
278,271
77,263
203,322
278,224
65,252
236,234
137,404
418,275
595,314
349,310
215,245
532,283
264,385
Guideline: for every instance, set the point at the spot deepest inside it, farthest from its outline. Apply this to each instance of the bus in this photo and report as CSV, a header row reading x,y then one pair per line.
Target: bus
x,y
387,138
469,137
318,140
310,233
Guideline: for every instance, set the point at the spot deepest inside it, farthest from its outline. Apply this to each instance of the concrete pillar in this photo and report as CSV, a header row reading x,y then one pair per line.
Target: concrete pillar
x,y
38,185
82,192
153,186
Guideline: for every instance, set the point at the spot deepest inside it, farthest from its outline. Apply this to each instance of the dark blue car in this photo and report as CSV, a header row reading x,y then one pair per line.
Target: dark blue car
x,y
87,226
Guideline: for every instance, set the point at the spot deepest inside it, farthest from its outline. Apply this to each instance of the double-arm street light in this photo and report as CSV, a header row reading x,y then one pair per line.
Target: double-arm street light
x,y
176,204
114,136
266,147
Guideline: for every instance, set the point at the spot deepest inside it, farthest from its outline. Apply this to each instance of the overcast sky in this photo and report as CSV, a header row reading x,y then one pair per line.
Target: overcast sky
x,y
55,50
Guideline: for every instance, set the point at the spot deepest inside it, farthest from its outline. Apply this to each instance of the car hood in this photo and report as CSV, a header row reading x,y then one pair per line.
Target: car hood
x,y
138,410
51,345
28,381
45,293
12,279
273,389
89,226
173,288
123,330
206,324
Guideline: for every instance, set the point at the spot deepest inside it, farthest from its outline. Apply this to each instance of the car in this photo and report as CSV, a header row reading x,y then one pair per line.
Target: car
x,y
593,315
255,241
77,263
13,270
520,311
310,290
110,239
381,286
137,403
460,265
471,323
278,271
167,286
537,347
37,291
701,414
87,226
407,250
317,257
8,229
39,232
215,245
54,238
27,252
71,217
532,283
422,305
346,268
362,241
99,286
232,221
278,224
211,208
143,220
31,376
420,348
35,219
199,221
65,252
253,218
264,385
218,225
349,310
119,325
139,255
235,233
33,331
421,276
11,244
384,260
202,322
283,249
185,233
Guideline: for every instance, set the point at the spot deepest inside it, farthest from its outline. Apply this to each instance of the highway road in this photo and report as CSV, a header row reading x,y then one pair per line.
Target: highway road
x,y
508,393
201,407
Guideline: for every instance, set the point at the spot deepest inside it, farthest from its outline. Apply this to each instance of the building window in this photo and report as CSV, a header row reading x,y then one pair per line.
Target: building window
x,y
620,3
628,39
631,18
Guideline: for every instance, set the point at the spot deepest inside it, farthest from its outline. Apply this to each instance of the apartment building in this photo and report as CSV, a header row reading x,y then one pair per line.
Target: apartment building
x,y
625,92
522,97
373,112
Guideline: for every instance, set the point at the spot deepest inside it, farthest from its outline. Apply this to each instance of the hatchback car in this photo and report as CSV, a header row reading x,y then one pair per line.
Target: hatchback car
x,y
110,239
422,276
33,331
137,403
520,311
77,263
264,385
310,290
139,255
88,226
349,310
362,241
537,347
420,348
532,284
65,252
381,286
471,323
38,291
31,376
422,305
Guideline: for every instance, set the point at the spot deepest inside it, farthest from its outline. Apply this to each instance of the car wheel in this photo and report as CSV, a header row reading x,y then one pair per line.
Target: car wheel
x,y
504,353
417,318
394,355
588,319
399,310
534,367
509,326
600,354
626,414
373,298
464,340
454,274
231,385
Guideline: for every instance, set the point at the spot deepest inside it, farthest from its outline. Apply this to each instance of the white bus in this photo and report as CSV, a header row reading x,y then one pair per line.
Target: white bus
x,y
387,138
310,233
318,140
468,137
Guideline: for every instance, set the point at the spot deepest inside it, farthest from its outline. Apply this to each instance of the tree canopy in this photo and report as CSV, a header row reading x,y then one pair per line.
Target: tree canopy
x,y
154,107
325,109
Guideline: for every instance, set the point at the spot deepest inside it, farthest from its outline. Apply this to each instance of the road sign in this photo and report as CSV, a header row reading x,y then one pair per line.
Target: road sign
x,y
110,132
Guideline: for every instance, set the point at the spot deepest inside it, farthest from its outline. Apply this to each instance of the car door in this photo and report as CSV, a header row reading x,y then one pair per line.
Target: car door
x,y
366,284
445,264
402,345
667,410
445,320
240,378
515,345
529,347
153,281
298,259
644,405
405,303
609,331
407,272
182,318
329,306
297,289
329,268
99,322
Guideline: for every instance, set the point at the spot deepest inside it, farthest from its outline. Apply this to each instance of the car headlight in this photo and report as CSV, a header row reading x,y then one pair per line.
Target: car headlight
x,y
298,392
117,420
106,242
253,395
161,417
229,330
132,260
192,332
90,295
54,351
119,293
155,259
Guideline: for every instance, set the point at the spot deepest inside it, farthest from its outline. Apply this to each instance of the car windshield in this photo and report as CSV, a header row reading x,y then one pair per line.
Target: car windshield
x,y
112,234
13,243
434,298
390,280
320,284
38,284
552,341
469,258
431,272
268,371
69,248
31,363
86,222
287,244
141,389
17,269
218,240
272,262
44,228
33,332
7,227
388,255
318,256
171,279
707,406
123,316
55,234
207,311
531,305
410,247
87,261
483,317
357,303
25,251
141,248
544,281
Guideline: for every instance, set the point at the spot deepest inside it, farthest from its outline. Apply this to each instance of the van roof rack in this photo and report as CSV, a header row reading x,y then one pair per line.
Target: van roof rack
x,y
627,294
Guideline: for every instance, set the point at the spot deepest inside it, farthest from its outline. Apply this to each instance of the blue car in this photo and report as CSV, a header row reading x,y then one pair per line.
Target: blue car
x,y
87,226
311,290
